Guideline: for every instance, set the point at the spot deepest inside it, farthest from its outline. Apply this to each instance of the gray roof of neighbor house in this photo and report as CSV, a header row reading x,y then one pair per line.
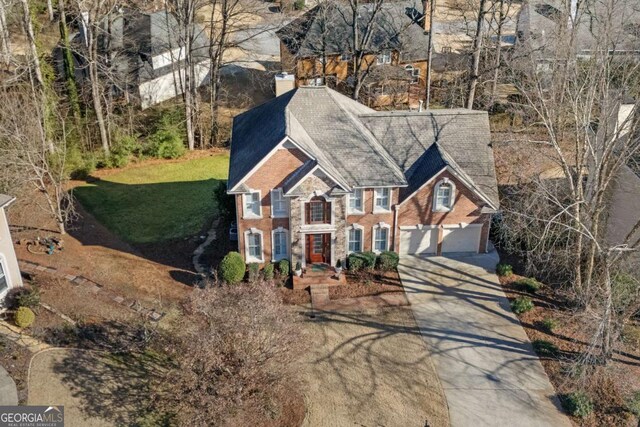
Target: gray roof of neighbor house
x,y
327,28
5,200
539,25
359,147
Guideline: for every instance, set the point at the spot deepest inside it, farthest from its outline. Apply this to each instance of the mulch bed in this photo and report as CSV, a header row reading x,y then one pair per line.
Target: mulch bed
x,y
358,285
15,359
608,386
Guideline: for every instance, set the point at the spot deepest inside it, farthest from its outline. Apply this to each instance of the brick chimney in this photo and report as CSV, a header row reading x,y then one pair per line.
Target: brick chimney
x,y
426,15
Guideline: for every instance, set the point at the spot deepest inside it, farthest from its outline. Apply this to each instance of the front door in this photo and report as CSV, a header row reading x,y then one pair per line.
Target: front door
x,y
318,248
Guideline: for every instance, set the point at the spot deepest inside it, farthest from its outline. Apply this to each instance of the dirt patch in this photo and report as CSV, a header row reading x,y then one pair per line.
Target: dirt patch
x,y
371,369
92,251
15,359
608,386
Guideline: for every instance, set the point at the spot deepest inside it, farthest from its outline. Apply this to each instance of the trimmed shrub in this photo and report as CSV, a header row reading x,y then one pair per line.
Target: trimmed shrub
x,y
521,305
549,324
254,272
529,285
232,268
29,298
24,317
577,404
504,270
268,272
369,259
355,262
633,403
388,261
284,267
545,348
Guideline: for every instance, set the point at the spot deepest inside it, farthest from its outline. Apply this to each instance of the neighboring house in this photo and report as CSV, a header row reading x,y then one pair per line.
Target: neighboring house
x,y
542,23
317,175
318,49
9,270
145,55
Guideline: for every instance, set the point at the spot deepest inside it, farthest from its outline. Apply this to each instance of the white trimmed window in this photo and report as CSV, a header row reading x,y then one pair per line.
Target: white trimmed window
x,y
354,238
444,195
413,72
4,282
279,205
384,58
251,202
382,199
279,239
253,245
380,237
355,201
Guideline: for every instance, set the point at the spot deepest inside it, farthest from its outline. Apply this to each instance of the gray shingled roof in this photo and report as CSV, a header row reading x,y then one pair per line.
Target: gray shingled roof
x,y
5,200
538,25
463,136
327,28
364,148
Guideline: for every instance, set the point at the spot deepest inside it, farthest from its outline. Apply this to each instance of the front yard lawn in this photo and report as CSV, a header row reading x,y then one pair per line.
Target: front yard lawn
x,y
157,201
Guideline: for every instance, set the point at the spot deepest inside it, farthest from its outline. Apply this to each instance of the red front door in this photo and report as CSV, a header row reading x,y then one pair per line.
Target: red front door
x,y
318,248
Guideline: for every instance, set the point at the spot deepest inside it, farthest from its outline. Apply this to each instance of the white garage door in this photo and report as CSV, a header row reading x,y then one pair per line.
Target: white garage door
x,y
419,241
462,239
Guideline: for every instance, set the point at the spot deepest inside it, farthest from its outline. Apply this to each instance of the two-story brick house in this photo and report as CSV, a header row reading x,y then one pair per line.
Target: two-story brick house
x,y
318,49
316,175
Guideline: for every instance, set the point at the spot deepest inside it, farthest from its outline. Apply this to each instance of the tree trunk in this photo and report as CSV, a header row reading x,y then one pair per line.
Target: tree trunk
x,y
94,76
50,10
432,7
69,68
496,72
5,40
28,27
477,48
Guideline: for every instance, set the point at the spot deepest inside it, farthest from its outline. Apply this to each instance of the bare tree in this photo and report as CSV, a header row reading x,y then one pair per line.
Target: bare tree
x,y
221,366
476,52
5,40
93,13
31,38
559,217
26,152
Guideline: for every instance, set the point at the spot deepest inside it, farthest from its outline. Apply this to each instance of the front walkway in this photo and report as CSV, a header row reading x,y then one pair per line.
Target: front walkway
x,y
490,373
8,391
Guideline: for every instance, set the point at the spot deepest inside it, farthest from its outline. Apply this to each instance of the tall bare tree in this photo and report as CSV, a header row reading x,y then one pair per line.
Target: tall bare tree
x,y
476,53
572,88
31,38
26,142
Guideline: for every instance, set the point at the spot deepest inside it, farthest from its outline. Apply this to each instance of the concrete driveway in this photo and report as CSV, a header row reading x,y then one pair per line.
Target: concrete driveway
x,y
490,373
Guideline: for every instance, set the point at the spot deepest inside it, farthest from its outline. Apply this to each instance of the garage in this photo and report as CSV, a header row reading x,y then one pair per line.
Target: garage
x,y
463,238
423,240
418,240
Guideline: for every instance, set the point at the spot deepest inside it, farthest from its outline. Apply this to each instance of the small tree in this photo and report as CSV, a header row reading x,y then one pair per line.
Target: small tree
x,y
232,268
235,350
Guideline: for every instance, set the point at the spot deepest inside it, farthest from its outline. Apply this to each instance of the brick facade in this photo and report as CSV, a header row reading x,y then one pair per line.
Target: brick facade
x,y
418,209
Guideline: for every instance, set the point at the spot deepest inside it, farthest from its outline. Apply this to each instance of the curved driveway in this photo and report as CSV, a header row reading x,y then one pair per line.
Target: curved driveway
x,y
490,373
8,391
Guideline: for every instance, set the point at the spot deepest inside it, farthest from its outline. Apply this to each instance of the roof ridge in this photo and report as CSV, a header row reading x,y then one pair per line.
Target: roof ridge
x,y
369,136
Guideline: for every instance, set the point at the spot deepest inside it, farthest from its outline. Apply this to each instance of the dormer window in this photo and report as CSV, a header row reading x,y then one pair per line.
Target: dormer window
x,y
444,196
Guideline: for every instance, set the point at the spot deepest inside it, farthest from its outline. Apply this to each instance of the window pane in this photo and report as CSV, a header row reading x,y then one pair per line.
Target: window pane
x,y
278,203
3,279
317,212
380,239
279,244
355,240
255,245
382,198
355,200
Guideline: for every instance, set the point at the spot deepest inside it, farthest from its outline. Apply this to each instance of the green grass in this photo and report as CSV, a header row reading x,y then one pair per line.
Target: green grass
x,y
157,202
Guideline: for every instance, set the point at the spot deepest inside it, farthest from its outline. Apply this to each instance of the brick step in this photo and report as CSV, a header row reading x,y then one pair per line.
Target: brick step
x,y
319,295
